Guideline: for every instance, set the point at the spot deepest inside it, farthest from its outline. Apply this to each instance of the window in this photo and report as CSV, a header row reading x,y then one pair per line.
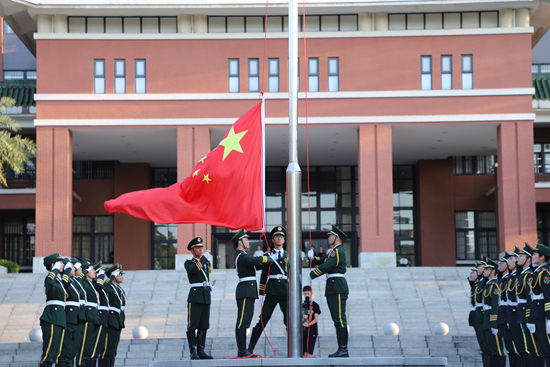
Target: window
x,y
540,69
474,165
7,29
122,24
233,75
446,72
164,177
93,238
426,72
18,241
417,21
93,170
277,23
99,76
165,246
120,76
404,215
273,75
253,75
313,74
19,75
542,157
543,227
26,179
475,235
333,74
467,72
141,81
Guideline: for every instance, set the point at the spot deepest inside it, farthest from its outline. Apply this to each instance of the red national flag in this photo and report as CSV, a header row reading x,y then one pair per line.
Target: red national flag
x,y
224,189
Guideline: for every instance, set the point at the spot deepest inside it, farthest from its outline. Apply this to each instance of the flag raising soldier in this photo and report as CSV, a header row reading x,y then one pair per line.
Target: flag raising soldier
x,y
91,328
198,301
72,310
247,288
516,334
540,300
503,309
491,297
79,328
478,313
336,292
274,284
103,312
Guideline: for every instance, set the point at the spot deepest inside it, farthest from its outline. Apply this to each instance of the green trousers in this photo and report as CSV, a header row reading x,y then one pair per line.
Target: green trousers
x,y
198,316
245,312
100,343
493,343
52,336
67,347
269,304
77,342
337,307
113,337
88,344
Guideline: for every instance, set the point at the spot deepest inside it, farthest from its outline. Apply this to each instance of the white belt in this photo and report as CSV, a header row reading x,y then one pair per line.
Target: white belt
x,y
479,304
511,303
278,276
247,279
502,303
486,307
203,284
111,308
56,303
521,300
472,308
91,304
82,302
103,308
336,275
122,308
72,303
537,296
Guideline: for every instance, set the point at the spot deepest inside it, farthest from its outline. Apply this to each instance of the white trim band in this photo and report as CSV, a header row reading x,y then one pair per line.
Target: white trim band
x,y
278,276
203,284
111,308
335,275
92,304
537,296
486,307
55,303
521,300
103,308
247,279
72,303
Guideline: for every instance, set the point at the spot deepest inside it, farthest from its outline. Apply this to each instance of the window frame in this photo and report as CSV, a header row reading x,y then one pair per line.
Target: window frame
x,y
466,72
311,75
492,253
120,77
93,234
230,76
449,72
139,76
422,72
251,75
271,75
334,75
99,76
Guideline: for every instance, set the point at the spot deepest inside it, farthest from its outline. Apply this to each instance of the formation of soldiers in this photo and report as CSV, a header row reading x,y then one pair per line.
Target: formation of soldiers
x,y
273,289
510,307
84,313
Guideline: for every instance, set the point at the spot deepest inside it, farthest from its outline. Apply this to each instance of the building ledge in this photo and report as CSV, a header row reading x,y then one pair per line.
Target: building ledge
x,y
4,191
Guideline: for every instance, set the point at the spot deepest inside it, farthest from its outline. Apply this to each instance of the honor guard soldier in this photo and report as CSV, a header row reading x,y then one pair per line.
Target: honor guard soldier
x,y
92,325
198,301
523,294
72,310
274,285
478,312
514,329
117,297
491,297
103,312
540,300
473,279
247,289
336,292
52,321
503,309
79,329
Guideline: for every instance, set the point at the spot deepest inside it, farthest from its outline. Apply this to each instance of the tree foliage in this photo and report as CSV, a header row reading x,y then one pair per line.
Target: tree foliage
x,y
15,150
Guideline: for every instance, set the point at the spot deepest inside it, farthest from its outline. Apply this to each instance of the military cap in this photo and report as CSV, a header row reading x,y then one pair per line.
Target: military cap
x,y
505,256
515,252
239,235
474,269
491,264
338,232
483,260
195,242
66,260
543,250
85,264
528,250
53,258
97,265
112,269
279,230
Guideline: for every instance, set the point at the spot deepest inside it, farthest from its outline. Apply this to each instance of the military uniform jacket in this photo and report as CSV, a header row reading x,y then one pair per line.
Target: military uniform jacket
x,y
503,301
103,301
246,267
198,271
478,316
512,298
523,291
540,293
491,297
123,304
279,286
92,300
77,282
115,295
471,315
72,303
54,312
334,263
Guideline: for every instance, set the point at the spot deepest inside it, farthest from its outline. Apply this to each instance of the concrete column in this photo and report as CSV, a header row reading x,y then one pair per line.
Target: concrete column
x,y
185,24
365,22
193,144
60,24
44,23
375,196
522,17
54,194
506,18
200,23
381,22
516,213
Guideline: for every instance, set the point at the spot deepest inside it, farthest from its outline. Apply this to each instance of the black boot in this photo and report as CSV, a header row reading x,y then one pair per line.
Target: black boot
x,y
201,342
103,362
192,340
342,336
240,336
45,365
501,361
537,361
513,360
527,360
92,362
112,362
61,365
256,333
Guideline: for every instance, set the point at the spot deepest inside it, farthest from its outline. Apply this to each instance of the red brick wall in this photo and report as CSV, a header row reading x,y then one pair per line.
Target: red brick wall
x,y
93,193
23,201
542,195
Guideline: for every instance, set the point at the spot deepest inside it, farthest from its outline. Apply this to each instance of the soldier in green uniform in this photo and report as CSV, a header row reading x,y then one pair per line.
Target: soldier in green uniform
x,y
247,289
514,328
72,308
52,321
273,286
76,281
115,276
478,305
491,297
540,300
503,309
334,266
198,301
103,309
93,323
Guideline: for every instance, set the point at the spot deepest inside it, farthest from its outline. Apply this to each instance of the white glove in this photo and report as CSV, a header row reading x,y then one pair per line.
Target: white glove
x,y
77,266
548,327
115,273
90,268
211,287
57,265
206,254
262,301
309,280
494,331
68,267
531,328
310,253
100,272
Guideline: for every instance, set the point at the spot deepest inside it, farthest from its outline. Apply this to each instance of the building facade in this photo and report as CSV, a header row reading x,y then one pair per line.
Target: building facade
x,y
421,123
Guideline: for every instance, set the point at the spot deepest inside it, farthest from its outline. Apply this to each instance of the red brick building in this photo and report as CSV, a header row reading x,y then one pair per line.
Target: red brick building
x,y
421,124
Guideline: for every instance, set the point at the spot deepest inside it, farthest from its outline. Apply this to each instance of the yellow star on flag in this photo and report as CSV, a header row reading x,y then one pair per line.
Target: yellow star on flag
x,y
202,159
196,172
232,142
206,178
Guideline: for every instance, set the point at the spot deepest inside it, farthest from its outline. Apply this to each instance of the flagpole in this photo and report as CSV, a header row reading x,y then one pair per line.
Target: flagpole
x,y
262,116
294,181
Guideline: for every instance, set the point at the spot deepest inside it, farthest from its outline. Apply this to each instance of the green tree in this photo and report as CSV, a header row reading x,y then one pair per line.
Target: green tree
x,y
15,150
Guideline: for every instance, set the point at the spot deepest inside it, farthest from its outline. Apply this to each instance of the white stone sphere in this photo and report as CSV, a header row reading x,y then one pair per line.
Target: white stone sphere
x,y
35,335
391,329
140,332
441,329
